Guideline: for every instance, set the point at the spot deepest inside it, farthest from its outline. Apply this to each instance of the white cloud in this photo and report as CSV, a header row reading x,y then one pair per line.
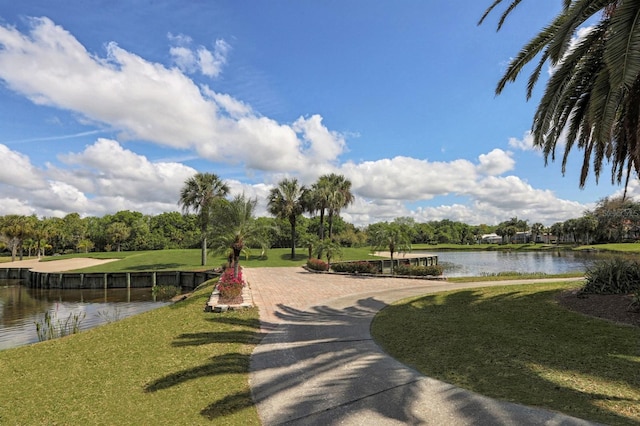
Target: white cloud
x,y
524,144
322,145
405,178
495,163
200,59
113,171
150,102
18,170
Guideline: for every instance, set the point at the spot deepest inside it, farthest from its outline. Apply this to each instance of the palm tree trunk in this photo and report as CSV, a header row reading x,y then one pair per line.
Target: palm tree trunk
x,y
236,262
203,255
293,240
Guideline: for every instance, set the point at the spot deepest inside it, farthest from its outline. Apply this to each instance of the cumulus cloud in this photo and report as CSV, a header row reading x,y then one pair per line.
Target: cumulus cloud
x,y
524,144
162,105
148,101
406,178
18,170
107,169
495,163
200,59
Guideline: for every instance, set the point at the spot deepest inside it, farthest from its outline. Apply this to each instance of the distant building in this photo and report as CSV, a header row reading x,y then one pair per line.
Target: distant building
x,y
521,237
491,239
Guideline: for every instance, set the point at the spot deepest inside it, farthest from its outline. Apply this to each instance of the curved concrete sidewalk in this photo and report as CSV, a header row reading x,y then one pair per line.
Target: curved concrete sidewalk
x,y
317,364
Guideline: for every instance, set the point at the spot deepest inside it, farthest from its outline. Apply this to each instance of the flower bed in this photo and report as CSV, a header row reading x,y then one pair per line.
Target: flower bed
x,y
230,287
317,265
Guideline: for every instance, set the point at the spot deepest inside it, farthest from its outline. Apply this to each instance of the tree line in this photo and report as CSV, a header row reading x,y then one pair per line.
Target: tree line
x,y
302,217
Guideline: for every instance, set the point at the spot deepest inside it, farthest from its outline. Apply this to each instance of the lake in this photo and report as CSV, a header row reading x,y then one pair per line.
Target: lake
x,y
22,307
480,262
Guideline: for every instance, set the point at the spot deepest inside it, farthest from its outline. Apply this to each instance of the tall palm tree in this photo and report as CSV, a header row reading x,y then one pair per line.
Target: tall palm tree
x,y
237,229
593,97
339,196
317,200
199,194
286,201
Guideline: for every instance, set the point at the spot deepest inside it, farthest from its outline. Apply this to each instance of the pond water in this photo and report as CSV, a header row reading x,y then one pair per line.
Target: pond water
x,y
22,307
479,263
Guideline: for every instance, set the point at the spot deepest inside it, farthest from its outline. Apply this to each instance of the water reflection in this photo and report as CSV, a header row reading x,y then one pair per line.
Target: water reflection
x,y
21,307
478,263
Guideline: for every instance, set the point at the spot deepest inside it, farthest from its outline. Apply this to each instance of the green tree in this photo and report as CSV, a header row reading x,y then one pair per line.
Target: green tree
x,y
236,229
592,99
14,230
394,237
74,229
118,232
199,194
339,197
536,229
316,200
286,201
310,241
330,248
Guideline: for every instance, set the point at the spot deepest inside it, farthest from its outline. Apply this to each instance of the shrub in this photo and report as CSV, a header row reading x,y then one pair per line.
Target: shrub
x,y
51,327
419,271
165,292
613,276
229,286
317,265
360,267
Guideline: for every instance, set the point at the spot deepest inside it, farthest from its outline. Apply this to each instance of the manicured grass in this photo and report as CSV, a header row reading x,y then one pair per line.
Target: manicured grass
x,y
174,365
489,247
618,247
189,259
517,344
505,276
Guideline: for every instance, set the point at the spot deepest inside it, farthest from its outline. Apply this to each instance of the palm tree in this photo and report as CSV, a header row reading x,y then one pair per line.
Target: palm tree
x,y
237,229
286,201
199,194
593,97
339,196
394,237
317,200
309,241
536,230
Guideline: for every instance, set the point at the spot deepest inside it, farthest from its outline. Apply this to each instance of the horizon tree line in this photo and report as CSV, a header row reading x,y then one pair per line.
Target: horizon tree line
x,y
612,220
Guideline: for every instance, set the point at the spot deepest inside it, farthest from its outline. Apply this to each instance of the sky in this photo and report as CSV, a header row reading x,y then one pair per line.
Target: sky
x,y
111,105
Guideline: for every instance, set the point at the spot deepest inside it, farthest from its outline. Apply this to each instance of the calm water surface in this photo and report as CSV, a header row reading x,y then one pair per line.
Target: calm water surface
x,y
22,307
478,263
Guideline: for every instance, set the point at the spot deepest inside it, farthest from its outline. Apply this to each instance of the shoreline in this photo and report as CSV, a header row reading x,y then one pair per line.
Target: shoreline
x,y
63,265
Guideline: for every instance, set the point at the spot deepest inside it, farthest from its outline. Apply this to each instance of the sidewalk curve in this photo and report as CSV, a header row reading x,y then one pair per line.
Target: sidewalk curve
x,y
318,365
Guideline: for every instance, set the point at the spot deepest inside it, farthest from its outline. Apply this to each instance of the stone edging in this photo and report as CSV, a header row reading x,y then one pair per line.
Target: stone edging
x,y
213,306
409,277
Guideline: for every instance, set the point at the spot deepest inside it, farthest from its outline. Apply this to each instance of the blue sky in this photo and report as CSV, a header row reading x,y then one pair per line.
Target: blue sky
x,y
111,105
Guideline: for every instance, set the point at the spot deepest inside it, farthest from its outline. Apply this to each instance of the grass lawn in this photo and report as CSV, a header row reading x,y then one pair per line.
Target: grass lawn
x,y
517,344
613,247
173,365
189,259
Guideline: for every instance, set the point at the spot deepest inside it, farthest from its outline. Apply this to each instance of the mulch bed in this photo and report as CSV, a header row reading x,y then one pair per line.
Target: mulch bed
x,y
613,307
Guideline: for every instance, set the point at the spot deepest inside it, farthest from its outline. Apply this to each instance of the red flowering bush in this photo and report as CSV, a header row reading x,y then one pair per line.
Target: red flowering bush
x,y
229,286
317,265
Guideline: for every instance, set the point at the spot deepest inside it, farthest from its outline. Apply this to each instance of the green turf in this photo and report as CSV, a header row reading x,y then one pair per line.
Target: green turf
x,y
517,344
189,259
174,365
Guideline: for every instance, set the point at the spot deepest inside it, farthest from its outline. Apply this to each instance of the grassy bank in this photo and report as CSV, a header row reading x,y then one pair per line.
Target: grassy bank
x,y
517,344
189,259
173,365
